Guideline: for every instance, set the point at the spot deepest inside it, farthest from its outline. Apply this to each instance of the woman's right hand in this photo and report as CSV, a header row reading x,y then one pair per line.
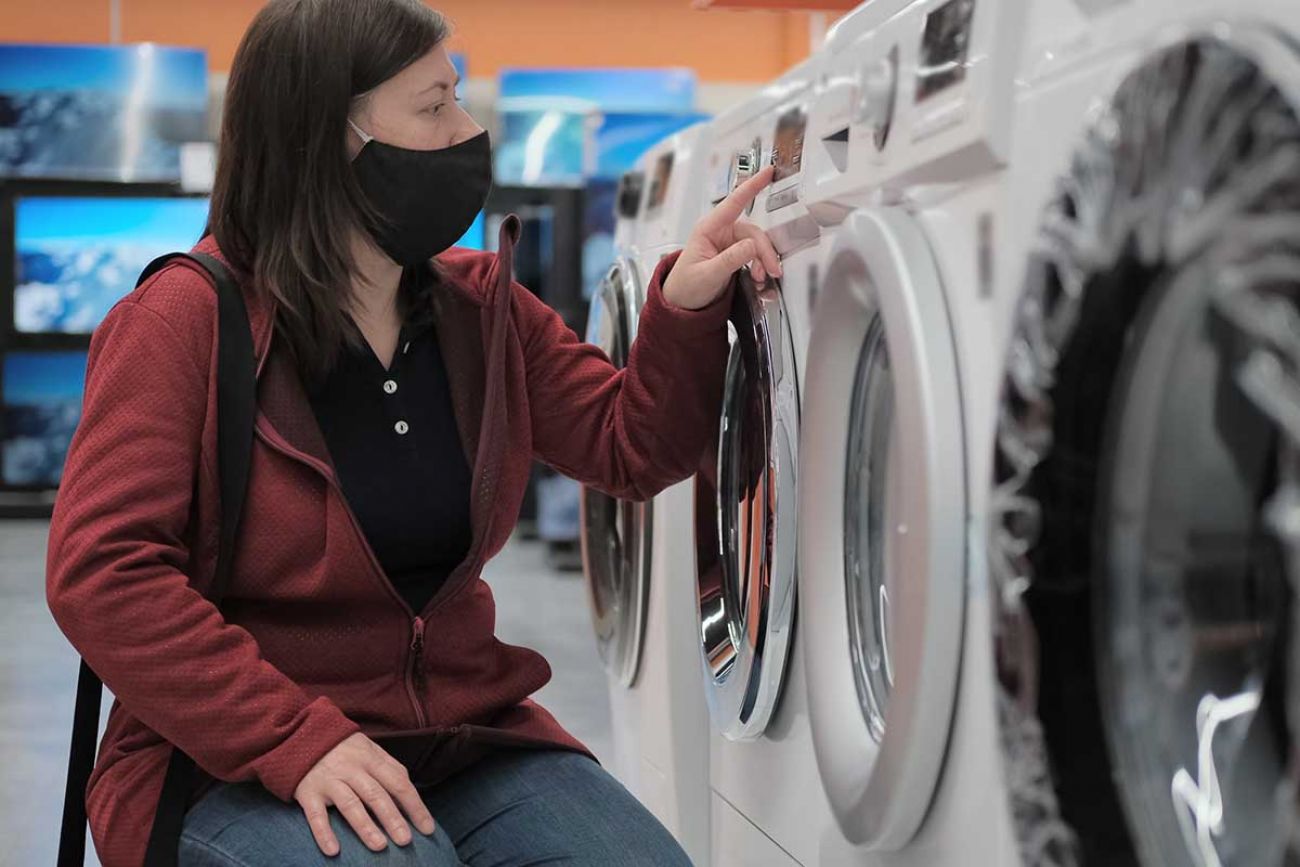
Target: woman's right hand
x,y
356,775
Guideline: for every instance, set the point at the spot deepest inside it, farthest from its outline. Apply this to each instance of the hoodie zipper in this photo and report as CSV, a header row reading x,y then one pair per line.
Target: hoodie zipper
x,y
415,649
414,670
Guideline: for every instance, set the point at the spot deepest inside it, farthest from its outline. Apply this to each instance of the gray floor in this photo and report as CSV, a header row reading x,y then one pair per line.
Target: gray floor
x,y
536,607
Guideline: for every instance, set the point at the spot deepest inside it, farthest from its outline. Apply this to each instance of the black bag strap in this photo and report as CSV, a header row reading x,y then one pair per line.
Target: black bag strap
x,y
236,410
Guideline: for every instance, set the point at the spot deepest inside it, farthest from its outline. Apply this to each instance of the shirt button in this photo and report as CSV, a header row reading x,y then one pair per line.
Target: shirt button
x,y
390,386
401,427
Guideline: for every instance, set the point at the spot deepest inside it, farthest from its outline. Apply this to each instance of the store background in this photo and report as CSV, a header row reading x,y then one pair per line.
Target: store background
x,y
512,51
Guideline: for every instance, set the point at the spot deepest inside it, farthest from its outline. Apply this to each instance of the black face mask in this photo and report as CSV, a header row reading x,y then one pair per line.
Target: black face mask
x,y
429,198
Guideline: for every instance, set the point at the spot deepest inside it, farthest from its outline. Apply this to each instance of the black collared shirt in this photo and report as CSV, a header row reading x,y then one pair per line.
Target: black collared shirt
x,y
393,439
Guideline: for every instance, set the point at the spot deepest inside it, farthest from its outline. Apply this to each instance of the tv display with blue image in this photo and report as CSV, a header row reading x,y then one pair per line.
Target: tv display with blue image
x,y
618,89
622,138
100,112
543,146
473,239
76,256
42,406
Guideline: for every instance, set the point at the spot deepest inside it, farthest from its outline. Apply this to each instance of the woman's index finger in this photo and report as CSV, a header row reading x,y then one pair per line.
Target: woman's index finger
x,y
730,208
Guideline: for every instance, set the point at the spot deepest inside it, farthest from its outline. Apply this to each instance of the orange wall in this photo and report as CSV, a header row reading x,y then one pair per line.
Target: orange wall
x,y
61,21
719,45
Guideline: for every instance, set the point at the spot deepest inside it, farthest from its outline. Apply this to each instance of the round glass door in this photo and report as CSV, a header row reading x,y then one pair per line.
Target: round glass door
x,y
745,519
871,505
616,533
1143,596
882,533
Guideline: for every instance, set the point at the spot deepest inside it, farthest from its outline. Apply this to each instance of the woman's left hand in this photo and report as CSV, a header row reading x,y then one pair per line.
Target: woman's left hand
x,y
719,244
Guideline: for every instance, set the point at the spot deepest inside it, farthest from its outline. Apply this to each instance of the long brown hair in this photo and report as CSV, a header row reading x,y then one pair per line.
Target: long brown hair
x,y
285,202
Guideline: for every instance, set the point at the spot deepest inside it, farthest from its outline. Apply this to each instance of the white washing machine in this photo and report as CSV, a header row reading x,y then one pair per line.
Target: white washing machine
x,y
636,555
768,805
1139,599
906,168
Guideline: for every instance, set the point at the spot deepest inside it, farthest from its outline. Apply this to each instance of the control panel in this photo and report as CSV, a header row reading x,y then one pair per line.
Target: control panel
x,y
923,95
774,133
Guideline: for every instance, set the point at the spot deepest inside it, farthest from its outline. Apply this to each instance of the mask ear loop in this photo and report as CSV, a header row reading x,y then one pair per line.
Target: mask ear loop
x,y
366,138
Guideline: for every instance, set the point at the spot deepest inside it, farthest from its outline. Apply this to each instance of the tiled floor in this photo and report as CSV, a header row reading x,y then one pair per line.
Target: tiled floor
x,y
536,607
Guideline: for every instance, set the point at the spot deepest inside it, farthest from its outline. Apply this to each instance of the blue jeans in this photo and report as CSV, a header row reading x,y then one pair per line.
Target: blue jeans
x,y
516,808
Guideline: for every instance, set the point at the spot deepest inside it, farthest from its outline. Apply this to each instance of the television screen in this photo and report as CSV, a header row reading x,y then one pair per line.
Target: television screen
x,y
617,89
100,112
543,146
473,238
597,233
42,405
621,139
75,257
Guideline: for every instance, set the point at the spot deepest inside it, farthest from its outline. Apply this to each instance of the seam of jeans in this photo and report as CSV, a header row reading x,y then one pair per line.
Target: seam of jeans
x,y
198,841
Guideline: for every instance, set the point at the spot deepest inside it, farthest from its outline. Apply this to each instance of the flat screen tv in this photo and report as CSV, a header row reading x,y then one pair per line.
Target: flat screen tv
x,y
41,394
75,256
100,112
473,239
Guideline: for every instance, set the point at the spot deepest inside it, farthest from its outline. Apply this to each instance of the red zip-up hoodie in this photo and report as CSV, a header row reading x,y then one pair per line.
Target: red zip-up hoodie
x,y
313,642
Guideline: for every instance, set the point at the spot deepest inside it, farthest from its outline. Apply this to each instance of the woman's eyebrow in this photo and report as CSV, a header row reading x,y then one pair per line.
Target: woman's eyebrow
x,y
441,85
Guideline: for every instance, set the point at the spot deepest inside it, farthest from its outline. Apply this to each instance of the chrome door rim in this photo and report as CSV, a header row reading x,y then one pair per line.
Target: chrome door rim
x,y
621,555
880,786
746,551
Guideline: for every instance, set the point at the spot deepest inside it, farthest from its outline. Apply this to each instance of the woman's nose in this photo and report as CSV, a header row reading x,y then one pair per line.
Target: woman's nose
x,y
467,129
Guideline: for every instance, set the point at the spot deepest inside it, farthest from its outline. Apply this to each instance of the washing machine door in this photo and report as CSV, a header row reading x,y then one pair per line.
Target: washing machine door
x,y
745,519
1144,603
881,540
616,533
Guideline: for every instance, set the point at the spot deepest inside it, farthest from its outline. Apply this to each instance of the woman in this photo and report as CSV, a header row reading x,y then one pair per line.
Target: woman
x,y
350,695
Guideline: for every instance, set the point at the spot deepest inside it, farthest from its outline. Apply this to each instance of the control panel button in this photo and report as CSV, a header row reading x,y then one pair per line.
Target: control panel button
x,y
744,165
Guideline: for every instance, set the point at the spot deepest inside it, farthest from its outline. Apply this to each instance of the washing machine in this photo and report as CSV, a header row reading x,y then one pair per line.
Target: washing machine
x,y
1139,601
906,170
768,804
636,555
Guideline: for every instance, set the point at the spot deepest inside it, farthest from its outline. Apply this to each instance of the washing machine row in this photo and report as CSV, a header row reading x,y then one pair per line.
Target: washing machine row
x,y
995,559
638,567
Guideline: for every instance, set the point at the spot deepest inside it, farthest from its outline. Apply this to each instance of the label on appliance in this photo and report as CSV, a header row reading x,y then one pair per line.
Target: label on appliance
x,y
780,200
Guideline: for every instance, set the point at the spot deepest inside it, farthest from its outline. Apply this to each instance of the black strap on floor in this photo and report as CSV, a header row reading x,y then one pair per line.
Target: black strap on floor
x,y
236,408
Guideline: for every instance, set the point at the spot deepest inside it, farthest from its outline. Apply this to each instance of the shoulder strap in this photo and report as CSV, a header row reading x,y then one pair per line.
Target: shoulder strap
x,y
236,410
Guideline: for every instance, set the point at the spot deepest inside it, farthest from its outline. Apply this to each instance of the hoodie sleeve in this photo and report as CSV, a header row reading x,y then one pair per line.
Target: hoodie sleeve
x,y
635,431
118,552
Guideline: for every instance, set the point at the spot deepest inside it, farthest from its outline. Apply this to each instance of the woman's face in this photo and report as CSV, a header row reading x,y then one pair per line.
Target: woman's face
x,y
416,108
